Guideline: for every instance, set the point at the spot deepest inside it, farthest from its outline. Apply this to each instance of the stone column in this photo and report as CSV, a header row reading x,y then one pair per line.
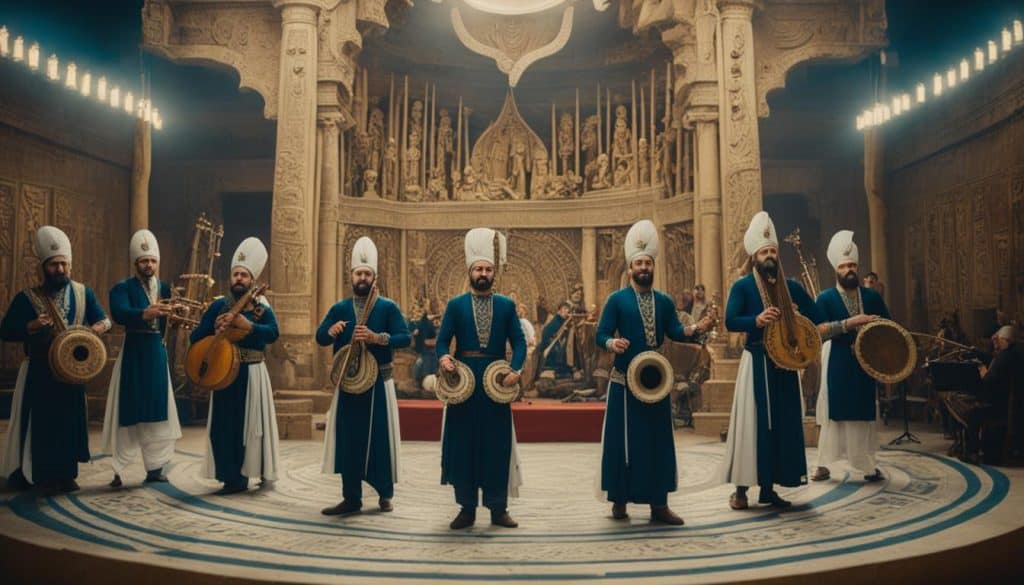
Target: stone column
x,y
292,227
708,198
740,148
328,130
588,265
141,169
874,188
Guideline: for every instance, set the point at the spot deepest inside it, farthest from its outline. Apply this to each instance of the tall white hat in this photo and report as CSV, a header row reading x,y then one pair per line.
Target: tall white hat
x,y
50,242
479,245
251,254
760,233
842,249
641,240
364,254
143,244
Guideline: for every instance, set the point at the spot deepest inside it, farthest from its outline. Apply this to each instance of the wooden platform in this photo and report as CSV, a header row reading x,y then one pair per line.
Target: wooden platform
x,y
536,421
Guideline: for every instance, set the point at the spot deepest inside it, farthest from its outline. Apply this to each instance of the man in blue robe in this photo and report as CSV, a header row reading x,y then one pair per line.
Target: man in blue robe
x,y
141,415
638,455
362,439
478,450
242,425
846,407
556,349
765,445
48,435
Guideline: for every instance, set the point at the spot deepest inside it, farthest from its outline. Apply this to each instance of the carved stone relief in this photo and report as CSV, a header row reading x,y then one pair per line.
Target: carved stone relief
x,y
678,253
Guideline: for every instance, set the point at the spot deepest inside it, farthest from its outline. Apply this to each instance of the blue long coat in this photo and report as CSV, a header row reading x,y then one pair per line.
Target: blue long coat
x,y
143,395
352,417
851,392
780,432
60,433
227,429
477,441
634,429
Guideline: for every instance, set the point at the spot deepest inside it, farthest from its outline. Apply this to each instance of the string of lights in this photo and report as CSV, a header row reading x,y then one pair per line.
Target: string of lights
x,y
83,83
881,112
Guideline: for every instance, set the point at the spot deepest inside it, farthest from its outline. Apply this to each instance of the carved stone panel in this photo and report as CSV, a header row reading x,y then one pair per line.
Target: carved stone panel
x,y
678,254
33,213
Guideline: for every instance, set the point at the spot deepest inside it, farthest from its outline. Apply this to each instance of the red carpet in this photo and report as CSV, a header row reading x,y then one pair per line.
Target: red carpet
x,y
536,421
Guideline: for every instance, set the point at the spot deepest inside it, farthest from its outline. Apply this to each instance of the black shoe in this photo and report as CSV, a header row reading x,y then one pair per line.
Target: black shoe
x,y
156,476
774,500
619,512
503,519
49,488
876,476
67,486
345,508
232,488
665,515
385,505
16,481
116,482
465,519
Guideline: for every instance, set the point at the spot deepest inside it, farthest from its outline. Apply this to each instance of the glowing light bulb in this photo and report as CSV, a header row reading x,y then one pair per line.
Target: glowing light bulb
x,y
897,106
921,93
4,37
115,97
993,52
951,77
979,59
101,89
129,102
937,85
19,49
905,101
33,56
86,85
52,66
1006,39
965,70
1018,32
71,77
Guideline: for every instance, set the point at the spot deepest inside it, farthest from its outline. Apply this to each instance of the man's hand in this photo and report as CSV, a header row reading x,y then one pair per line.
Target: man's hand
x,y
365,334
38,323
982,370
620,345
510,379
155,312
99,328
858,320
223,321
767,316
447,363
337,328
240,322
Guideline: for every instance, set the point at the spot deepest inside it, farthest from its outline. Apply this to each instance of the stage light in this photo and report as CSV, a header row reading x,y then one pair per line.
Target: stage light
x,y
921,93
115,97
979,59
965,70
1018,32
897,106
1007,40
129,103
905,99
937,85
19,49
52,68
101,89
951,77
71,76
4,45
33,57
86,85
993,52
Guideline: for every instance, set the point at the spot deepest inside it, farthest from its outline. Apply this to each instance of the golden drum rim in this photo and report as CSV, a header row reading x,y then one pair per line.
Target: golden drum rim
x,y
366,374
463,388
497,391
633,373
774,329
65,366
908,339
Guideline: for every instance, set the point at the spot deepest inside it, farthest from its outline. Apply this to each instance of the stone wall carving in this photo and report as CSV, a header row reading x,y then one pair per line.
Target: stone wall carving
x,y
789,33
244,36
678,253
506,146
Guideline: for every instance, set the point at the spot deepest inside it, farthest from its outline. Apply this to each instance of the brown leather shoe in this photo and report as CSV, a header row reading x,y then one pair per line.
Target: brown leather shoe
x,y
465,519
345,508
385,505
820,474
619,512
503,519
738,502
665,515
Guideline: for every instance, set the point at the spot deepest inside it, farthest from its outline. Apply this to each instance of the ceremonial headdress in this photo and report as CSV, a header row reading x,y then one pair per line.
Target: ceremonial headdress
x,y
842,249
50,242
251,254
641,240
481,246
760,233
364,255
143,244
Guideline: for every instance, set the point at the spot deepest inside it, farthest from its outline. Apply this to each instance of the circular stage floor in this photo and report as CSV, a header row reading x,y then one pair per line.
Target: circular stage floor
x,y
927,504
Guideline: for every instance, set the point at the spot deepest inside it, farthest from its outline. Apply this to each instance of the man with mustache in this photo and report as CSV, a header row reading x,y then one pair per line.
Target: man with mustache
x,y
638,455
362,441
141,415
766,439
478,441
242,425
48,435
846,408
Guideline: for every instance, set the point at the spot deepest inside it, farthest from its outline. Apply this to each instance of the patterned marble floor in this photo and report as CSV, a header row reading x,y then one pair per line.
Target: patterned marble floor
x,y
927,503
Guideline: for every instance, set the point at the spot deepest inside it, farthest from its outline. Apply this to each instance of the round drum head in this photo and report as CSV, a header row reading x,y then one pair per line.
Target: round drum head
x,y
886,351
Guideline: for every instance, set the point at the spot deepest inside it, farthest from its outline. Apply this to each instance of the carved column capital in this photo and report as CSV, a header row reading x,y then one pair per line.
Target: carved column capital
x,y
739,8
298,11
695,115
